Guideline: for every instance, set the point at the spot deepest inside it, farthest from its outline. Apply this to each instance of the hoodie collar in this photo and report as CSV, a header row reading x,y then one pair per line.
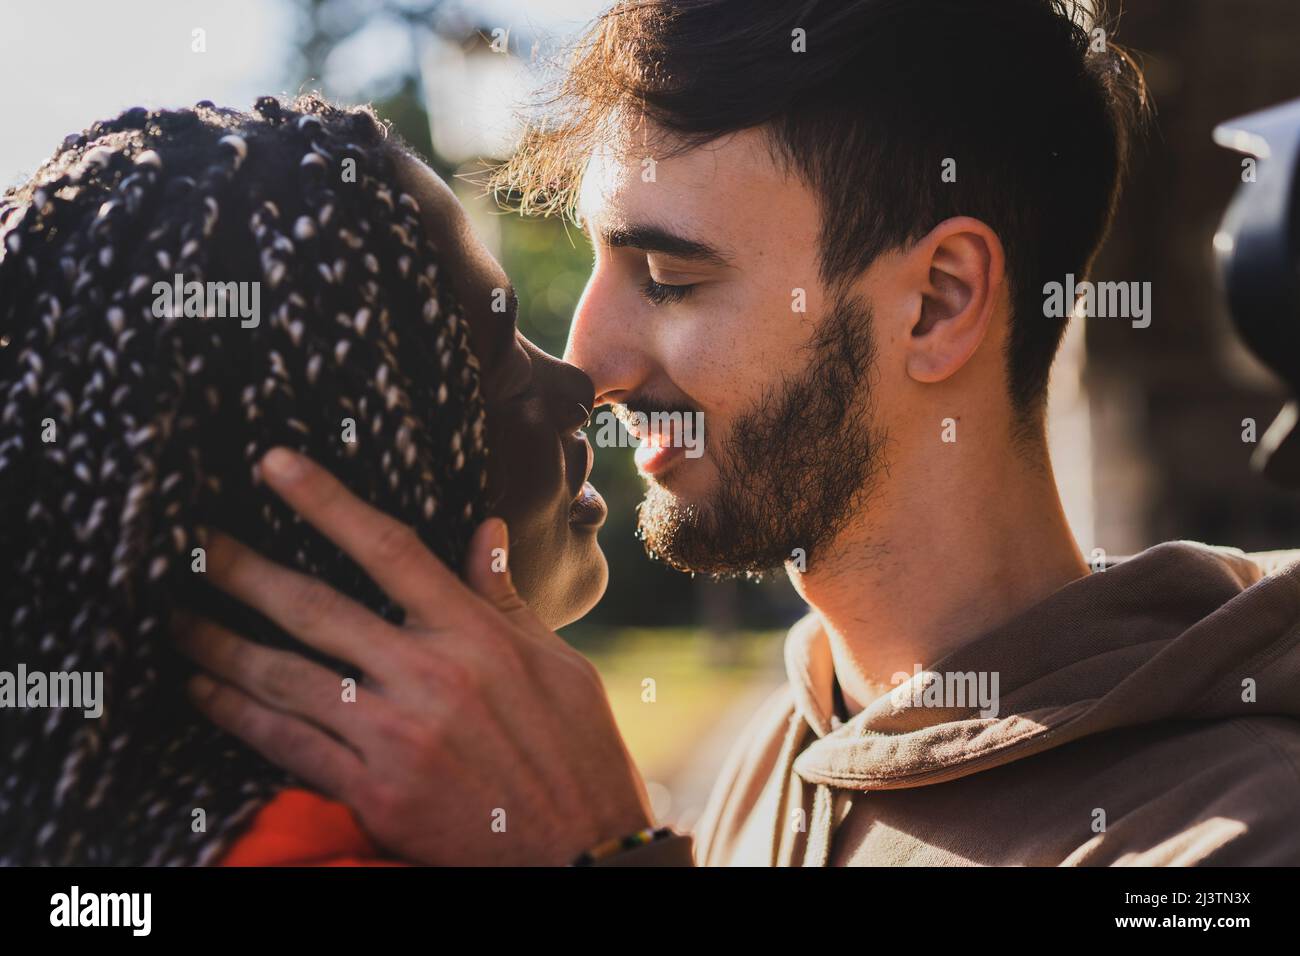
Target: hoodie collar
x,y
1160,635
811,672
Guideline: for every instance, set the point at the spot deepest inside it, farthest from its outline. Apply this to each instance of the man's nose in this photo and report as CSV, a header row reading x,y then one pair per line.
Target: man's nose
x,y
609,338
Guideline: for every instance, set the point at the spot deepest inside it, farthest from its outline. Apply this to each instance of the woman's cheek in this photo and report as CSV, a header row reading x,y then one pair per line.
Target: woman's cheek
x,y
525,477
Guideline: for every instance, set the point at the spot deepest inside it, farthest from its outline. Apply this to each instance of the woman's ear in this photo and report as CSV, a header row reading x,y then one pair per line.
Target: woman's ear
x,y
960,270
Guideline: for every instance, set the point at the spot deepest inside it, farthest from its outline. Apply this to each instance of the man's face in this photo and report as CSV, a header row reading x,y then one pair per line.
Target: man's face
x,y
705,297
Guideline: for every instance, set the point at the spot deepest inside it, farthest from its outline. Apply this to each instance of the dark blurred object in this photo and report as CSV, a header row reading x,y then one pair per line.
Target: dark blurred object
x,y
1258,257
1174,407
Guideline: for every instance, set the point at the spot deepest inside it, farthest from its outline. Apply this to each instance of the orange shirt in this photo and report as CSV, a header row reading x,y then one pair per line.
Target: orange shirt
x,y
301,828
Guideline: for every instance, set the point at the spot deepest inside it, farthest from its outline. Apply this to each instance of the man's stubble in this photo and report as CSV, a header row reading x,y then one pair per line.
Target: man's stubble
x,y
791,471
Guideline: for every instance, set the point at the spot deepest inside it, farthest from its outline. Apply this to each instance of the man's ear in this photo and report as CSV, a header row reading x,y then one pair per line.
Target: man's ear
x,y
960,270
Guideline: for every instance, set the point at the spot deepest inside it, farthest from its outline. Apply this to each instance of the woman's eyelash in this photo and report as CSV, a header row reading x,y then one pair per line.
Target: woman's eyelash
x,y
659,293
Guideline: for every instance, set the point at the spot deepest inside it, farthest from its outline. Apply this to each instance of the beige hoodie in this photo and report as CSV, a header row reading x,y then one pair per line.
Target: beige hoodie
x,y
1148,714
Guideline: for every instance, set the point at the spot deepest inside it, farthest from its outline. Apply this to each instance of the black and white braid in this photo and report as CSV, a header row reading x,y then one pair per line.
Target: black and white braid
x,y
159,423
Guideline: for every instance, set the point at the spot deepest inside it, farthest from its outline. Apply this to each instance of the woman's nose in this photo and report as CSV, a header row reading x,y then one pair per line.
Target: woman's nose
x,y
569,392
574,397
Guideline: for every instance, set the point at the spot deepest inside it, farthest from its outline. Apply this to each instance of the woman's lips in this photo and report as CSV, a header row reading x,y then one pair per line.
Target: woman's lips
x,y
588,509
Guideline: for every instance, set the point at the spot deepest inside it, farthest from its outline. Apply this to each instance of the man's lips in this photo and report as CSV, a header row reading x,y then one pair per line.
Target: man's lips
x,y
659,450
655,456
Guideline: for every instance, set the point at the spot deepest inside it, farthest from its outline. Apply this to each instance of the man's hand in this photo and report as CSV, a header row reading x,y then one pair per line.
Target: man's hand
x,y
477,737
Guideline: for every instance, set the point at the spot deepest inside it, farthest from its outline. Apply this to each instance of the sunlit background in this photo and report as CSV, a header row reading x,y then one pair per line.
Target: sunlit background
x,y
1146,424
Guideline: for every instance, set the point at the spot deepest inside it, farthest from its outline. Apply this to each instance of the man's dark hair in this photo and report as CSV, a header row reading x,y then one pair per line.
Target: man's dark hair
x,y
1034,104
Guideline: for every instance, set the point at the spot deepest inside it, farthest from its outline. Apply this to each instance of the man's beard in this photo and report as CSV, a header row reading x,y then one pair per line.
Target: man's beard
x,y
792,470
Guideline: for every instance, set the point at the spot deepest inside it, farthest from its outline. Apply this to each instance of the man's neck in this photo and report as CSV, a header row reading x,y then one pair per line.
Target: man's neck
x,y
948,551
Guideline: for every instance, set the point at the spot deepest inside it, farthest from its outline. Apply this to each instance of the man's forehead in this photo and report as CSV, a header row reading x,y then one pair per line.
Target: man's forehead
x,y
625,180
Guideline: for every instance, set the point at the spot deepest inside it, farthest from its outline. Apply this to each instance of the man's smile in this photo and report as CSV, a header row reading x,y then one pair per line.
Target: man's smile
x,y
657,454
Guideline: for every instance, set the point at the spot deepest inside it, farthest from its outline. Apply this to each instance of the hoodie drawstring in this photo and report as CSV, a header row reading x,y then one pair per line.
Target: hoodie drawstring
x,y
818,849
830,807
789,751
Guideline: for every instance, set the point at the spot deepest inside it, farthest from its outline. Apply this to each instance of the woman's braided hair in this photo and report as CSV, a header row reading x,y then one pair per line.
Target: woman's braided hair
x,y
124,434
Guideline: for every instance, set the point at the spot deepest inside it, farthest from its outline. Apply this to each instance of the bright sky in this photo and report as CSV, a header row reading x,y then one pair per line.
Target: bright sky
x,y
66,63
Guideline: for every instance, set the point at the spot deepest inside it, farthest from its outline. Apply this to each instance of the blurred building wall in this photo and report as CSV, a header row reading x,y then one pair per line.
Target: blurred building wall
x,y
1167,402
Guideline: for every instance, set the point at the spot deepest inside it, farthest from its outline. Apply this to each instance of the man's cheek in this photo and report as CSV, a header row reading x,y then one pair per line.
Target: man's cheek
x,y
732,379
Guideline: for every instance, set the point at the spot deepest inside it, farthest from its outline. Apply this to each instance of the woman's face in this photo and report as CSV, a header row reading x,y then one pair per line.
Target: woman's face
x,y
538,459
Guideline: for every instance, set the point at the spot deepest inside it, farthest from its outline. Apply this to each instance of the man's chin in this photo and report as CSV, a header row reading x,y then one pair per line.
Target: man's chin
x,y
685,534
671,526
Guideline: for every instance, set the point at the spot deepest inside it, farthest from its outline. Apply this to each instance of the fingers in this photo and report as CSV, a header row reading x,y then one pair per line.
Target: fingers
x,y
389,551
288,741
487,572
281,680
308,609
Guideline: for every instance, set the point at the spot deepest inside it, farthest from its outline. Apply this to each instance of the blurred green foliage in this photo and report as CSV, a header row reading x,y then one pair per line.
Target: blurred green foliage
x,y
548,264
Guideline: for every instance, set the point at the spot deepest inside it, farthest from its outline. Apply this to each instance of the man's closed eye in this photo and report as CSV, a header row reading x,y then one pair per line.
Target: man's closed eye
x,y
661,293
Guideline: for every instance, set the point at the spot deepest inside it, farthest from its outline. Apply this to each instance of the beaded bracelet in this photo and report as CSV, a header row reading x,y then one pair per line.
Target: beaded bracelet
x,y
618,845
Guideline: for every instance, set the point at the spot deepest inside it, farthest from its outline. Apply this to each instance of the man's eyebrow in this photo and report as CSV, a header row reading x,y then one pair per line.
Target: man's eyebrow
x,y
657,239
